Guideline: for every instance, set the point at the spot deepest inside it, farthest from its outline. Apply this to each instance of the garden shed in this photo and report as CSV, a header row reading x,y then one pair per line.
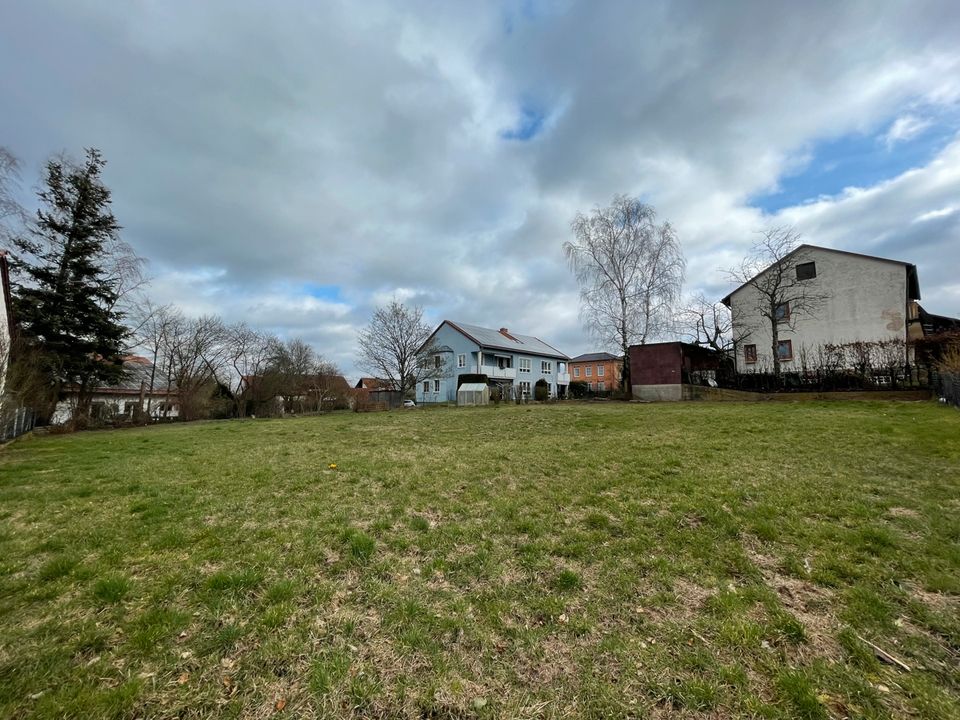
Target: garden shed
x,y
473,394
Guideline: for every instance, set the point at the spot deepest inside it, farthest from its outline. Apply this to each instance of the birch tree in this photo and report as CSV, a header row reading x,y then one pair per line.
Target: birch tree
x,y
630,272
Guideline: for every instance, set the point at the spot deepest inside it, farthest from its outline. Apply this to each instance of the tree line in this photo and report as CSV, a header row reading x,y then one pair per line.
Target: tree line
x,y
79,296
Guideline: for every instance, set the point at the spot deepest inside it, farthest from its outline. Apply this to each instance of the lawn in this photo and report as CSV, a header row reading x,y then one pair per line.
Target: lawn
x,y
602,560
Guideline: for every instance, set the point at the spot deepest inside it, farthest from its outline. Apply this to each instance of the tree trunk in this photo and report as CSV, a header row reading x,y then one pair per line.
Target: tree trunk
x,y
775,341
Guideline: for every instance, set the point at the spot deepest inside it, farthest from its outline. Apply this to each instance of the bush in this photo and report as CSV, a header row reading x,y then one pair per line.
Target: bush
x,y
541,391
579,389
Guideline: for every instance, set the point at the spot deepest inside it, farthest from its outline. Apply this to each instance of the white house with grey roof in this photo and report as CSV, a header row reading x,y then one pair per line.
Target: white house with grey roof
x,y
511,361
865,299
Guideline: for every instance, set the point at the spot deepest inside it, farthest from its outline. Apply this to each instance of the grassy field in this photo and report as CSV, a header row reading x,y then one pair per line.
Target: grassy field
x,y
605,560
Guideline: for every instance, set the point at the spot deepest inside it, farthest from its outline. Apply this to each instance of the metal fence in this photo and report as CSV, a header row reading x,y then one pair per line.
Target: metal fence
x,y
22,420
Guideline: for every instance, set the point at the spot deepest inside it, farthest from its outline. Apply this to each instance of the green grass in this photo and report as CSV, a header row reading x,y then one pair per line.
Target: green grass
x,y
589,560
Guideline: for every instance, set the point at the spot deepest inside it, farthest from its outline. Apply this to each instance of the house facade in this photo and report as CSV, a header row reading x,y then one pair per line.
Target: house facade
x,y
513,363
601,371
862,299
127,400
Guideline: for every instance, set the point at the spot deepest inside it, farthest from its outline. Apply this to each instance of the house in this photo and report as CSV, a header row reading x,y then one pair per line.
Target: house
x,y
376,392
859,299
601,371
512,363
658,371
126,400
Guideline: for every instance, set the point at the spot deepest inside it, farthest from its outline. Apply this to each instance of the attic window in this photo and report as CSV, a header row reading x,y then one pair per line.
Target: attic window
x,y
806,271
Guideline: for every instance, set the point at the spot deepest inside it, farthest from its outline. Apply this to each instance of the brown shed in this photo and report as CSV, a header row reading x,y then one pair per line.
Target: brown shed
x,y
658,371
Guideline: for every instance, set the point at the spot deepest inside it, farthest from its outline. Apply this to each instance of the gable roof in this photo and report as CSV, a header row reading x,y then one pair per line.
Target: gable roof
x,y
913,282
497,340
594,357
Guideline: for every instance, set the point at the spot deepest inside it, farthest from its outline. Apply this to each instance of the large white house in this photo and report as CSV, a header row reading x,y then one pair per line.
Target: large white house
x,y
859,298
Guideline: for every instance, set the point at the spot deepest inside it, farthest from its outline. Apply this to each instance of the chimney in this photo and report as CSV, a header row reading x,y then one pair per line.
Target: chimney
x,y
504,331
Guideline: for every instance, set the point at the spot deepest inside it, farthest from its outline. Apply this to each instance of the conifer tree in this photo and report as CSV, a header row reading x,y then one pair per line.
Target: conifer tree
x,y
65,296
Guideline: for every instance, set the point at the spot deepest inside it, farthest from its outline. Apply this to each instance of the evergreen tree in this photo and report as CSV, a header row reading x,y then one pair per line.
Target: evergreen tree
x,y
66,294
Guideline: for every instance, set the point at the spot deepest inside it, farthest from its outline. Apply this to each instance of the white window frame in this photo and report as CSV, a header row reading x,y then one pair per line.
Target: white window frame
x,y
525,387
436,386
426,386
576,372
461,361
601,386
437,361
589,370
546,367
524,365
599,370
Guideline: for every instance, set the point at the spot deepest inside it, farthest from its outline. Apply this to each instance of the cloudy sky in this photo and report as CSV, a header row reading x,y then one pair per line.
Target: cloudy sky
x,y
295,163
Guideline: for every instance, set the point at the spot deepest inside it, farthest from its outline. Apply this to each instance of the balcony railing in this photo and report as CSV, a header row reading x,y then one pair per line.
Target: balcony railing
x,y
563,378
501,373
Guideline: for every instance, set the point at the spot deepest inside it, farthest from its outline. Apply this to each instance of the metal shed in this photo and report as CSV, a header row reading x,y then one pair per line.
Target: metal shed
x,y
473,394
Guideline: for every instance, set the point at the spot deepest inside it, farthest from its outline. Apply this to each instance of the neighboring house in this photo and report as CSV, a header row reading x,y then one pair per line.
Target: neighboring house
x,y
601,371
864,299
122,401
512,362
369,383
375,391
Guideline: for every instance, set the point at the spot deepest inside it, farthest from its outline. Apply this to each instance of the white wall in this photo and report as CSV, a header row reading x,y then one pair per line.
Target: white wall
x,y
867,301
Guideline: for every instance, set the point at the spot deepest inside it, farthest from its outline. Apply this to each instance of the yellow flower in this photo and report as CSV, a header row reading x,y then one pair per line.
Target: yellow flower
x,y
333,466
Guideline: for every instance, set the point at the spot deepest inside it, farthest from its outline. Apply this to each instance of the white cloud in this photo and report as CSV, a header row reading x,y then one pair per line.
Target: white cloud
x,y
906,127
333,145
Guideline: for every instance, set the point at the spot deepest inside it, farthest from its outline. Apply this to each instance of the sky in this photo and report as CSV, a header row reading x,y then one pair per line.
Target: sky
x,y
295,164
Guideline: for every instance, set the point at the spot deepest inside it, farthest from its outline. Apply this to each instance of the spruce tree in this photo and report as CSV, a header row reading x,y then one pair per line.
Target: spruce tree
x,y
65,297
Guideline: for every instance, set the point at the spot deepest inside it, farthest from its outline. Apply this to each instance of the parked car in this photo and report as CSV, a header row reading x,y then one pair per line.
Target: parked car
x,y
409,404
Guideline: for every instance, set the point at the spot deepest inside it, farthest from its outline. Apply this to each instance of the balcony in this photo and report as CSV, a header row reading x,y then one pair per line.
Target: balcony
x,y
501,373
563,378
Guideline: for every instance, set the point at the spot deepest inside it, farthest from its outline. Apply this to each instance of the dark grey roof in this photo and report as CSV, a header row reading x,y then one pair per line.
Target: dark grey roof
x,y
488,338
594,357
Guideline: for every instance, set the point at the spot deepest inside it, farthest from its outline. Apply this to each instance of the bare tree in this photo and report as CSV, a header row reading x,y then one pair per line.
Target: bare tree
x,y
154,325
195,356
394,346
630,272
706,323
12,214
247,355
290,367
780,294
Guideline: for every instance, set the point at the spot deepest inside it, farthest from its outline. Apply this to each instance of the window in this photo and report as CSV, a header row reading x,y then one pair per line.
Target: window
x,y
426,386
525,387
783,312
437,361
599,370
806,271
589,370
591,386
546,368
750,353
436,386
576,372
785,349
461,361
601,386
525,365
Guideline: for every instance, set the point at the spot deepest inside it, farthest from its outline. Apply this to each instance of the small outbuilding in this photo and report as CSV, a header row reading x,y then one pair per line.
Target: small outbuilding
x,y
473,394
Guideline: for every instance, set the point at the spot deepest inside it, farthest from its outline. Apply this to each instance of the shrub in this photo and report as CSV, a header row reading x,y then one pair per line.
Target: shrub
x,y
541,391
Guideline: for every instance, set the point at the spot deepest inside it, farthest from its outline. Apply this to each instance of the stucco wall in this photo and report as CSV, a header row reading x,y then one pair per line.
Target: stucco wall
x,y
867,301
